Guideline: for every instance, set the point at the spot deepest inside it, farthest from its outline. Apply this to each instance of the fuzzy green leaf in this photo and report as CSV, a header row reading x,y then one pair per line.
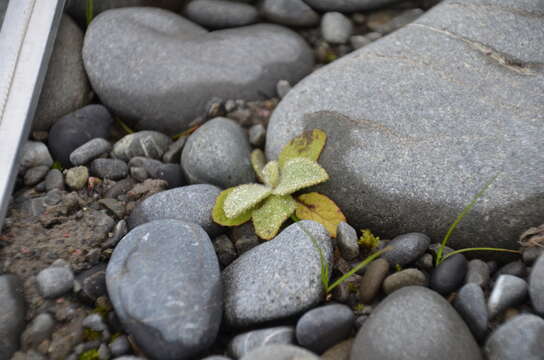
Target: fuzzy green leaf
x,y
308,145
299,173
258,161
271,174
218,214
268,218
244,197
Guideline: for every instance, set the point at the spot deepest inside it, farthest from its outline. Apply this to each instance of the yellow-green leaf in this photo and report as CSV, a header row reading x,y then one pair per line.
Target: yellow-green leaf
x,y
318,207
218,214
308,145
271,173
244,197
258,161
268,218
299,173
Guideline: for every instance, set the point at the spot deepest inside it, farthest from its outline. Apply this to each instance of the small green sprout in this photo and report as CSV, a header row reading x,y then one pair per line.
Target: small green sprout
x,y
90,11
90,355
368,239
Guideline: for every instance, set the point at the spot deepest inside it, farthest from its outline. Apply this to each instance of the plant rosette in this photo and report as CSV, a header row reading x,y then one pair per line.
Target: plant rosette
x,y
272,202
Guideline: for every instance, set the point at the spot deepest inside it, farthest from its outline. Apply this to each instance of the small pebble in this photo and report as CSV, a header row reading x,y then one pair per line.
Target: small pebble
x,y
120,346
138,173
336,28
508,291
470,304
55,281
35,174
449,275
358,41
39,329
257,135
226,252
282,88
477,273
346,239
113,169
94,322
531,254
90,151
34,154
244,238
173,153
54,180
246,342
119,231
373,36
372,280
406,248
407,277
425,262
515,268
77,177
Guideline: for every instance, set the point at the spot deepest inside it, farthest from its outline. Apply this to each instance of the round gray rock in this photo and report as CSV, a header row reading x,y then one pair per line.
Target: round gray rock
x,y
277,279
164,283
414,323
220,14
193,203
157,70
519,338
218,153
406,248
66,87
280,352
413,136
336,28
55,281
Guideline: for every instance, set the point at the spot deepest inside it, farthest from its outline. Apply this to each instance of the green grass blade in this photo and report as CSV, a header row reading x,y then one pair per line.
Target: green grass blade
x,y
481,249
359,266
323,262
90,11
463,213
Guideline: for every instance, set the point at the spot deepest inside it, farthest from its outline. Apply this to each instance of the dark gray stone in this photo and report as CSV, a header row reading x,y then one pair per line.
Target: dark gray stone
x,y
280,352
164,283
536,285
401,114
244,237
77,128
171,173
246,342
346,239
470,304
151,144
242,63
508,291
12,313
531,254
35,174
289,12
403,278
220,14
91,283
336,28
477,273
225,250
449,275
515,268
113,169
406,248
519,338
173,153
288,279
347,6
193,203
325,326
90,151
414,323
55,281
372,280
34,154
66,87
218,153
54,180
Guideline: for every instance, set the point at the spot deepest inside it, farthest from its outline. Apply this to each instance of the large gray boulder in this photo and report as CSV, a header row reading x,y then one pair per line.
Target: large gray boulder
x,y
158,70
418,122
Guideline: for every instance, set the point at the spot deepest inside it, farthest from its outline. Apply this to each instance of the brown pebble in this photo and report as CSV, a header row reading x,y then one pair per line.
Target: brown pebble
x,y
372,280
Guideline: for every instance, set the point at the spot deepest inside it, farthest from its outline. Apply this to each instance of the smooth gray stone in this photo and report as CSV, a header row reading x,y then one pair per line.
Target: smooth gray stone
x,y
402,117
164,283
171,173
113,169
246,342
193,203
336,28
325,326
66,87
536,285
277,279
12,313
289,12
39,329
403,278
478,273
449,275
470,304
35,174
346,239
218,153
519,338
91,283
347,6
34,154
220,14
76,129
157,70
515,268
508,291
90,151
257,135
406,248
414,323
55,281
151,144
280,352
54,180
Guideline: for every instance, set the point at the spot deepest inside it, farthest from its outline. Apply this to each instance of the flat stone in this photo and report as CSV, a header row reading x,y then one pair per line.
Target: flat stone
x,y
403,278
519,338
325,326
347,240
242,63
151,144
536,285
478,273
470,304
113,169
77,177
406,248
34,154
280,352
289,12
415,323
76,129
193,203
66,87
218,153
246,342
164,283
90,151
12,313
220,14
372,280
401,113
55,281
336,28
508,291
253,292
449,275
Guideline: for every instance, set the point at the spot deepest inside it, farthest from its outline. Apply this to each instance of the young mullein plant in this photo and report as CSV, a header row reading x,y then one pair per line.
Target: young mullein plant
x,y
271,203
